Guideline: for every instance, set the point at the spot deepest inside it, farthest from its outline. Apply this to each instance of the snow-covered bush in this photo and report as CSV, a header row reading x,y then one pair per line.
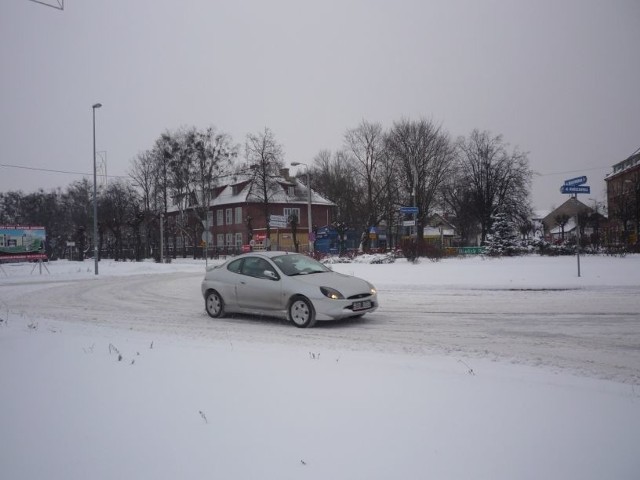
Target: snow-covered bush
x,y
543,247
378,258
333,259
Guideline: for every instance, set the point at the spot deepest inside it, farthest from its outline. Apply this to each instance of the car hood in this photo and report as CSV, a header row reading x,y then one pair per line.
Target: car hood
x,y
345,284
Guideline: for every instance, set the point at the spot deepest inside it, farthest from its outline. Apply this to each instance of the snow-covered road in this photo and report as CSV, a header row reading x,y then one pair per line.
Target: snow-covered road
x,y
590,330
124,375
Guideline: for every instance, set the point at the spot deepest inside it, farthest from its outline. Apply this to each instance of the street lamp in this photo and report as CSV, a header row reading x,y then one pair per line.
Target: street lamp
x,y
295,164
95,193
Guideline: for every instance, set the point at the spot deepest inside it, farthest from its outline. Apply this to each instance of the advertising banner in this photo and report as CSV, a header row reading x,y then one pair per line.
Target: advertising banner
x,y
22,242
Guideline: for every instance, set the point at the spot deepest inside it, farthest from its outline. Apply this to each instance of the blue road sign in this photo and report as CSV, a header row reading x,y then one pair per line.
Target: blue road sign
x,y
575,189
573,182
409,210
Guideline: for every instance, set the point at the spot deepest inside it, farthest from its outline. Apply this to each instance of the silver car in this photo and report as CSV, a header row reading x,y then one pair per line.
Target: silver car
x,y
289,285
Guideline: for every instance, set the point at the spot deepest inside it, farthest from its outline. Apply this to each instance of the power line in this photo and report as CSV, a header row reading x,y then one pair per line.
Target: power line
x,y
59,6
580,170
570,171
42,169
55,171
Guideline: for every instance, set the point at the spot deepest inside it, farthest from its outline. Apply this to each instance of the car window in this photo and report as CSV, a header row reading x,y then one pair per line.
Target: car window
x,y
255,267
297,264
235,266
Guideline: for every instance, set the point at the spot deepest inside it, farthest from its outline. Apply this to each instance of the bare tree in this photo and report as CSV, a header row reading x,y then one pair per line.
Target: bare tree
x,y
179,149
119,204
162,152
144,176
496,179
10,207
561,221
425,156
77,204
365,146
335,178
458,198
265,158
391,200
212,153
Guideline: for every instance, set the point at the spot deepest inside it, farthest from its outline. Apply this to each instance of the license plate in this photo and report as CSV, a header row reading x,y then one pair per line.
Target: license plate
x,y
361,305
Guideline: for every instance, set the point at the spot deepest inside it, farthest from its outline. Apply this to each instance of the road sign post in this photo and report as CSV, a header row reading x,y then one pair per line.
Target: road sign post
x,y
575,189
409,210
574,186
576,181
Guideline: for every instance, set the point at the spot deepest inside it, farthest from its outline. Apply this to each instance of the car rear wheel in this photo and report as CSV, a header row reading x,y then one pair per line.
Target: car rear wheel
x,y
214,304
301,313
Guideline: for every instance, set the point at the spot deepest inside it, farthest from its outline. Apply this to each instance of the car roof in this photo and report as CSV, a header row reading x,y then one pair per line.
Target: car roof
x,y
271,253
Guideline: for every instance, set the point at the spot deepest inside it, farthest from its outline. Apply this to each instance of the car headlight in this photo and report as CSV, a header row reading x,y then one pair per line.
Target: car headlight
x,y
373,291
331,293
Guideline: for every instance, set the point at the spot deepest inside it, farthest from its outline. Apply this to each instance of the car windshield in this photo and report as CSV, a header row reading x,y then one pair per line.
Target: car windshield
x,y
296,264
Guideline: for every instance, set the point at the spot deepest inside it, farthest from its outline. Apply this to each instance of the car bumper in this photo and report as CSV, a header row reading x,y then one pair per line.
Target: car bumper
x,y
327,309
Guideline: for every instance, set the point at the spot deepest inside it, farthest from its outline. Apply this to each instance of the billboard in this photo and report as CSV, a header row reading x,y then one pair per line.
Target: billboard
x,y
22,242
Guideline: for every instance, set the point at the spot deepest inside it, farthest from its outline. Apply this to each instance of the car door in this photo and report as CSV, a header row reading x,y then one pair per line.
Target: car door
x,y
259,291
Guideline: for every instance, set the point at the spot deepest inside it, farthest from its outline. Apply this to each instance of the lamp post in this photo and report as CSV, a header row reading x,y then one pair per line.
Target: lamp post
x,y
95,193
295,164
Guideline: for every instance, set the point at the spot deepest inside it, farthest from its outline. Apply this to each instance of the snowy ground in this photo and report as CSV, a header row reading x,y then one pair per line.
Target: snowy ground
x,y
471,368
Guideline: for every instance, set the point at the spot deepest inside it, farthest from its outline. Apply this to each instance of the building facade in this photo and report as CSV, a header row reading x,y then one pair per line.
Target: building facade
x,y
237,217
623,201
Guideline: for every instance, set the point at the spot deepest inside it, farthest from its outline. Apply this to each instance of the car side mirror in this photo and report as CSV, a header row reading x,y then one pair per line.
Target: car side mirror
x,y
271,275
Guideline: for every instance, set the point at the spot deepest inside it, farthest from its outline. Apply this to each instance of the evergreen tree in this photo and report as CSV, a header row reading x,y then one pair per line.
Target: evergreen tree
x,y
503,237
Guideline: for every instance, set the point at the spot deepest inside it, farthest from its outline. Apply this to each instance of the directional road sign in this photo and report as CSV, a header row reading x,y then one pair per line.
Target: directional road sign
x,y
572,182
575,189
409,210
278,221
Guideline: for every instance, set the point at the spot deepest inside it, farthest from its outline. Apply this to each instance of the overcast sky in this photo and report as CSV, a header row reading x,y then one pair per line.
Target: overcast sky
x,y
559,79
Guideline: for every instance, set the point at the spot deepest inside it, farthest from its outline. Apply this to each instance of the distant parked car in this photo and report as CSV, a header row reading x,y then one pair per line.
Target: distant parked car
x,y
289,285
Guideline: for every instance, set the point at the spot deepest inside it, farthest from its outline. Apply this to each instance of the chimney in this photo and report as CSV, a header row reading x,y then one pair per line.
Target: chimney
x,y
284,173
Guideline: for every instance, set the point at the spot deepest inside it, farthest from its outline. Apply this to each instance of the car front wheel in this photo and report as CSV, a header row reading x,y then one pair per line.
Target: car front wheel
x,y
301,313
214,304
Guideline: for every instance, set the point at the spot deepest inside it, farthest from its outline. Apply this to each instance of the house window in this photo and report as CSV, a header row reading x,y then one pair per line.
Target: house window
x,y
238,240
220,241
220,219
210,218
229,213
229,239
237,189
292,191
238,215
292,211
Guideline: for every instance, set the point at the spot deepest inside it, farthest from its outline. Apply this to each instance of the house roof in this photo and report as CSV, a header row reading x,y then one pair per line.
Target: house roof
x,y
624,166
571,207
242,189
282,190
569,227
437,220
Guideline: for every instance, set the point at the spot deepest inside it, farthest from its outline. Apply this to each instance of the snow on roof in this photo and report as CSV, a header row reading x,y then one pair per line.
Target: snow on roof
x,y
281,190
624,165
568,227
540,214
